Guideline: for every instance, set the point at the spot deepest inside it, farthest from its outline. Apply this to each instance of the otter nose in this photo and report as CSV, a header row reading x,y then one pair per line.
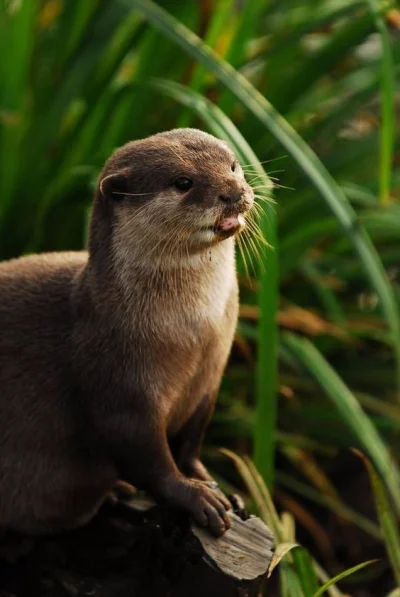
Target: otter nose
x,y
231,197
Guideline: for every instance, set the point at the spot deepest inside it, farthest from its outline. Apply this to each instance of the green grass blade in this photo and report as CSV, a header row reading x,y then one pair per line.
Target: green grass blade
x,y
388,106
303,155
220,16
76,19
305,570
266,376
340,509
348,406
387,520
246,27
17,39
327,296
342,575
323,577
295,245
259,493
354,31
335,506
266,372
290,584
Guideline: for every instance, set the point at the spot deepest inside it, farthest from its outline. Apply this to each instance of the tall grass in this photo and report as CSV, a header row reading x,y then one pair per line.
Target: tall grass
x,y
305,97
388,108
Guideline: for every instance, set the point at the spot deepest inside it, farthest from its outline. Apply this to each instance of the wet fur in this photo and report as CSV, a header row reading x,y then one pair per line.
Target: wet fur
x,y
110,361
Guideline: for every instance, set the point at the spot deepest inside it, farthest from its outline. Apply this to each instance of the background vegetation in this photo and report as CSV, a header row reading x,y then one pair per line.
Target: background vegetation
x,y
306,93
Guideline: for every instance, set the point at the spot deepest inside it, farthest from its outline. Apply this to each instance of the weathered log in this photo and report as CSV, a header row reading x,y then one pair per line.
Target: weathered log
x,y
131,551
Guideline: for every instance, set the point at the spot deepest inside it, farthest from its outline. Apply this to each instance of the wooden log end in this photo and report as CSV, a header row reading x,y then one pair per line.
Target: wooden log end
x,y
244,552
139,549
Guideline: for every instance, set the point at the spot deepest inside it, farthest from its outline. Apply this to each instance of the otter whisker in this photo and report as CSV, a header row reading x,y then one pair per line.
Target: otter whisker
x,y
127,223
261,186
174,237
256,218
266,188
268,173
282,186
254,233
254,176
282,157
265,191
247,250
130,194
257,210
257,246
181,273
240,245
254,224
257,234
171,234
260,181
264,199
275,185
254,251
265,213
167,272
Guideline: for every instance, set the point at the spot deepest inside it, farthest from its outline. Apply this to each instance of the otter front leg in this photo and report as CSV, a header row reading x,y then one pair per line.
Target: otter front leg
x,y
142,456
190,441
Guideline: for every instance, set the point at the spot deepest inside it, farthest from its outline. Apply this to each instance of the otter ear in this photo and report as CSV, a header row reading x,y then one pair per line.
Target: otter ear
x,y
114,186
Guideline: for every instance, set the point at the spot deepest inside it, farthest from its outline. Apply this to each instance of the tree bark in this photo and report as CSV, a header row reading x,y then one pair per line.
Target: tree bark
x,y
128,550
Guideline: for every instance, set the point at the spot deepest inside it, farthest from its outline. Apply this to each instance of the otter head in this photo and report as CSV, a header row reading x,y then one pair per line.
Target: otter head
x,y
176,193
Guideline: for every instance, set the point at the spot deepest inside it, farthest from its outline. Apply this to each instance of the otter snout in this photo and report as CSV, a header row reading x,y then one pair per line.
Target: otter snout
x,y
236,199
235,193
231,197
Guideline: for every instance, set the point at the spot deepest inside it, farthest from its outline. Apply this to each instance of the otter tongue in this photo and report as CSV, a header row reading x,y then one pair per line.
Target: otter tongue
x,y
229,223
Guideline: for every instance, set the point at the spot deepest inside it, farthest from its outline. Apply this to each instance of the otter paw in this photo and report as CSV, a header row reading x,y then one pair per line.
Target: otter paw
x,y
209,508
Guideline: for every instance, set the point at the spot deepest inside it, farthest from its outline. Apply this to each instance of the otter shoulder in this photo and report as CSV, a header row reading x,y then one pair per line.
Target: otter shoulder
x,y
42,264
45,276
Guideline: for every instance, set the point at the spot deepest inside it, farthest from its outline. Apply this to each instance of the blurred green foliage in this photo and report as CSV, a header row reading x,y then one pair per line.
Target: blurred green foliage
x,y
305,92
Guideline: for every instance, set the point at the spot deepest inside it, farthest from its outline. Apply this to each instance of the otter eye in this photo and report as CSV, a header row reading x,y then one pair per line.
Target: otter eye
x,y
233,167
183,184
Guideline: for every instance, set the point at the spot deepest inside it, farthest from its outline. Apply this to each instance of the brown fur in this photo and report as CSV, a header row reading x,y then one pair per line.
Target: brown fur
x,y
110,362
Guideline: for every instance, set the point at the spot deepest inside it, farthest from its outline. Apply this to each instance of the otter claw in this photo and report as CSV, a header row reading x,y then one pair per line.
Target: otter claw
x,y
207,506
214,507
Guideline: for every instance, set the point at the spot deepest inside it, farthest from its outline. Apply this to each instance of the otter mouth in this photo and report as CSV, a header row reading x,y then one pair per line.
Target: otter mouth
x,y
228,225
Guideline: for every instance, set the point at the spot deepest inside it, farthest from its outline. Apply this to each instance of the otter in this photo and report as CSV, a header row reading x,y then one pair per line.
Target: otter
x,y
111,359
